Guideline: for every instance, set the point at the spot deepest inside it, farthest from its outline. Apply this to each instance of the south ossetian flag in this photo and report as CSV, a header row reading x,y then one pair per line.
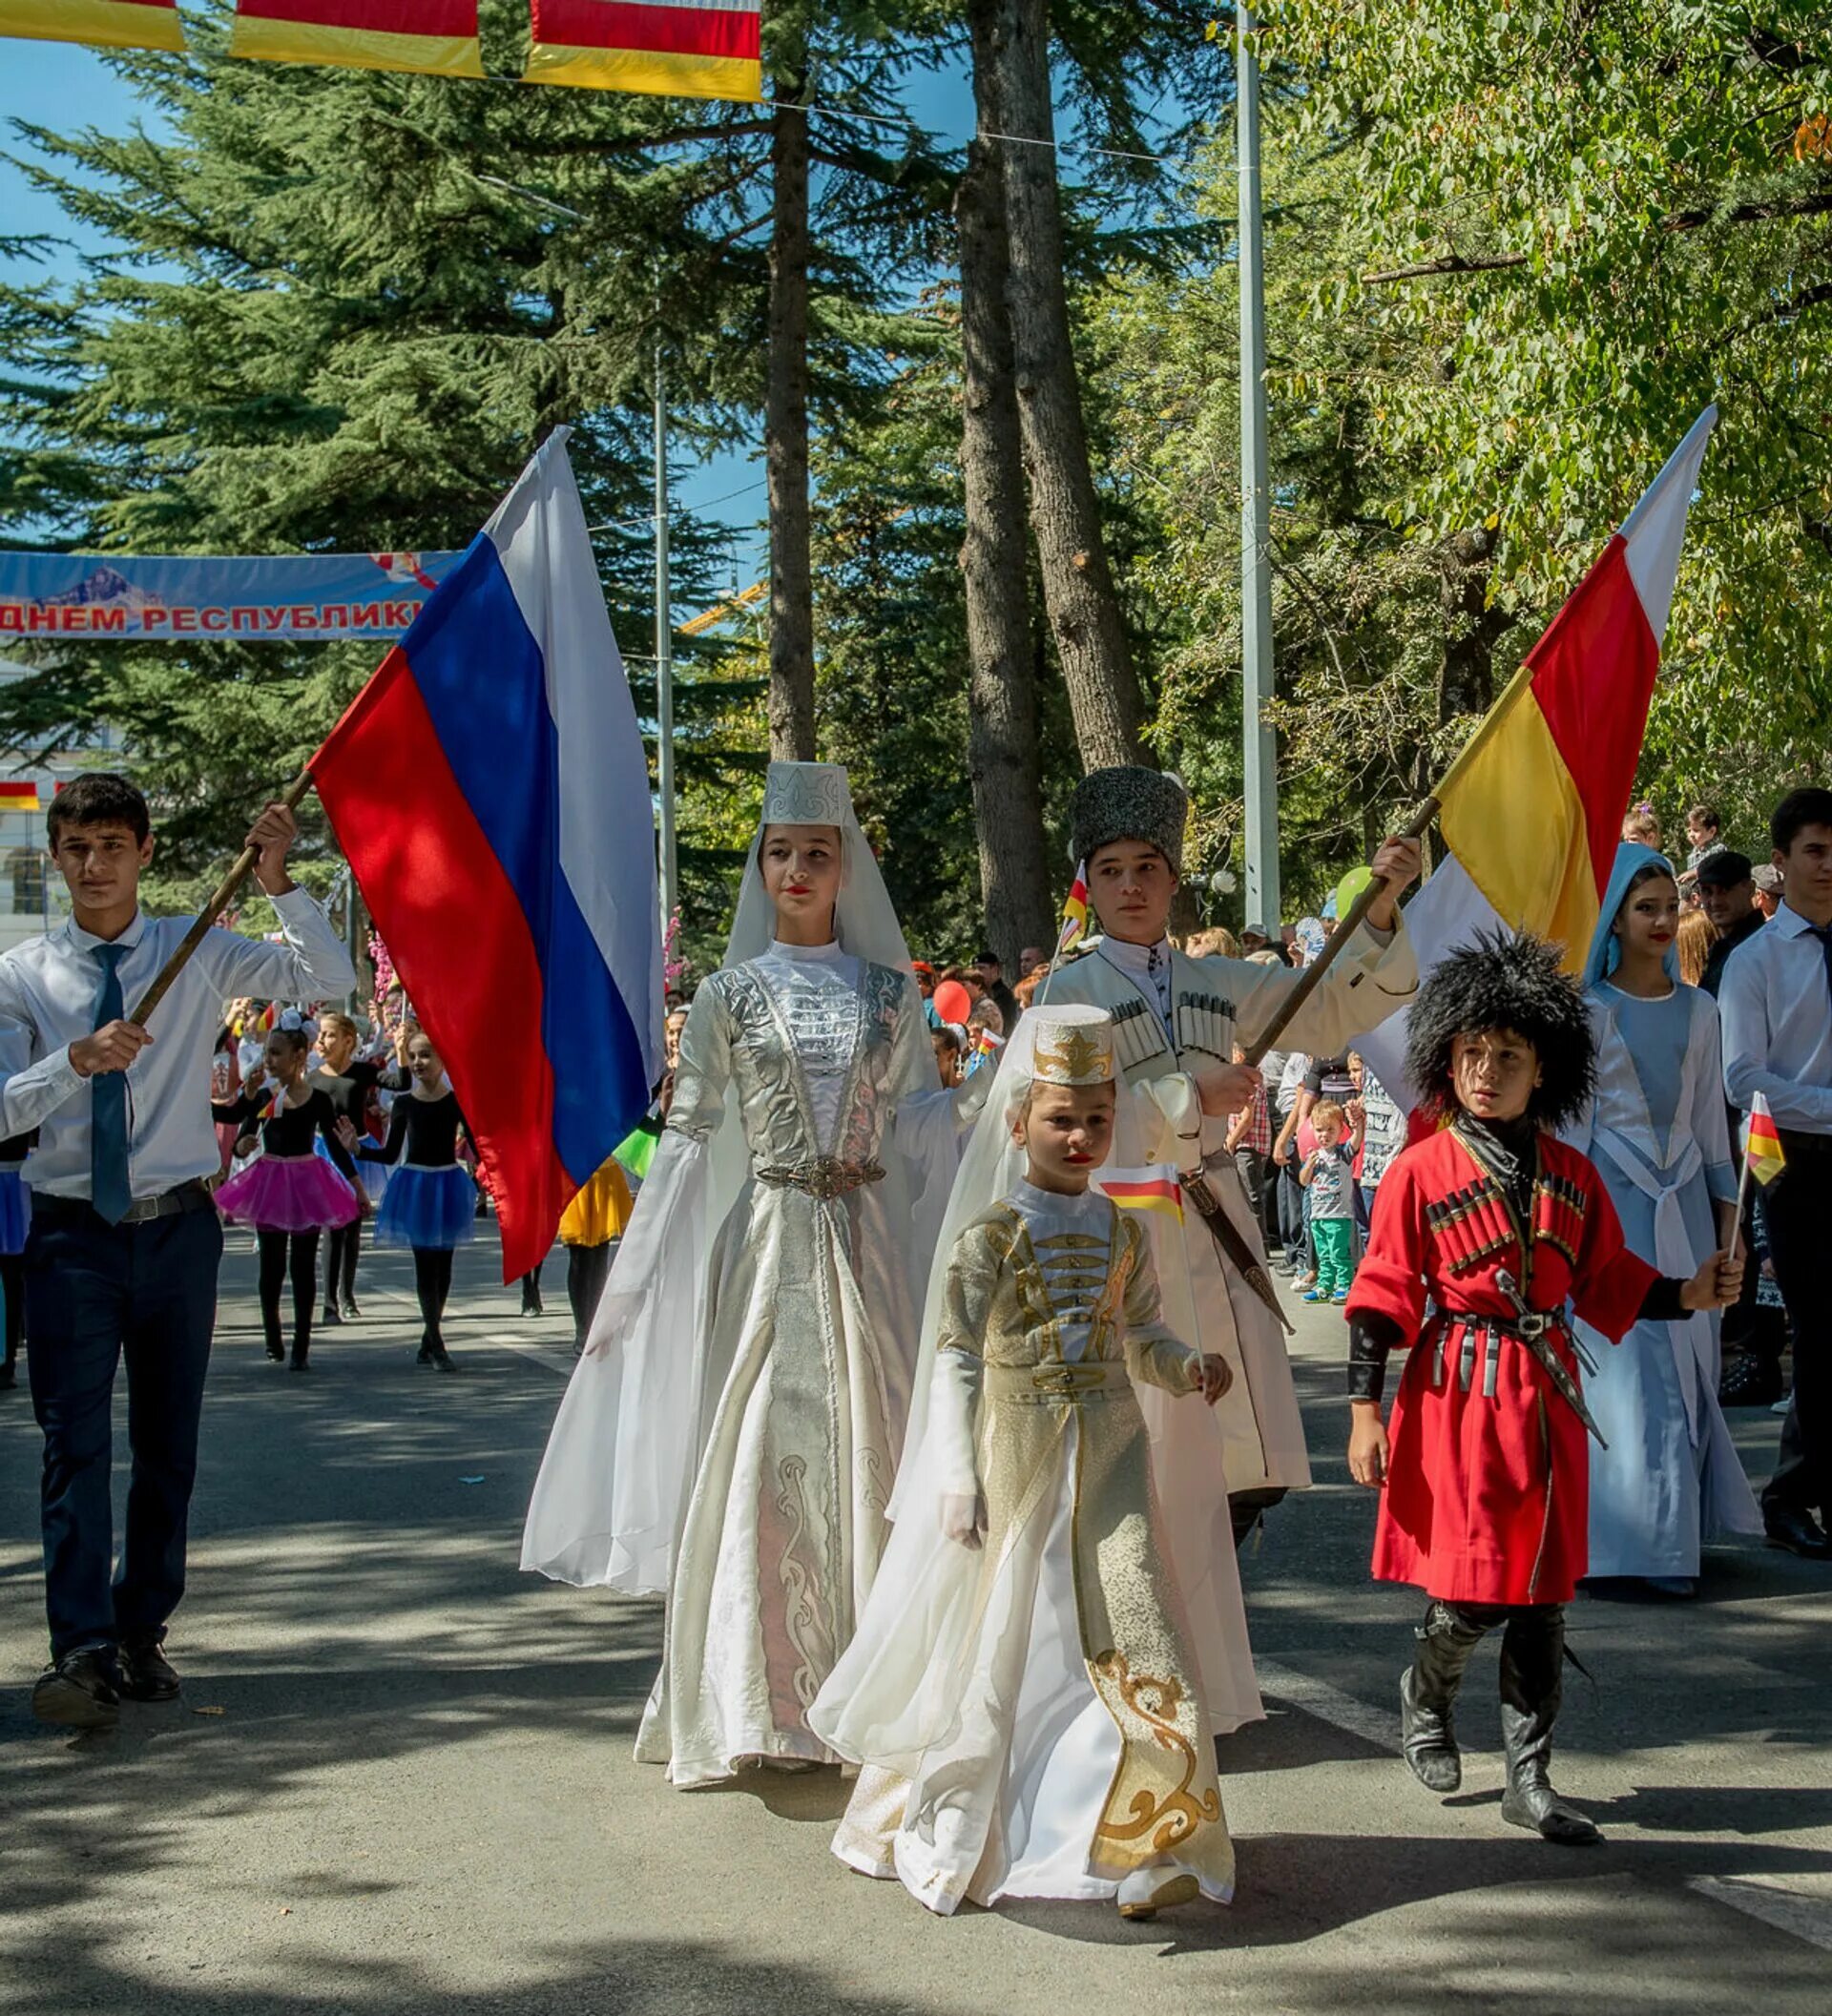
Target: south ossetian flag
x,y
1762,1142
690,49
1532,809
489,790
437,37
107,24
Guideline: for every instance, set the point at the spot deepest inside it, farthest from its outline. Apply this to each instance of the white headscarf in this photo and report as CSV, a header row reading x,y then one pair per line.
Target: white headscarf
x,y
865,923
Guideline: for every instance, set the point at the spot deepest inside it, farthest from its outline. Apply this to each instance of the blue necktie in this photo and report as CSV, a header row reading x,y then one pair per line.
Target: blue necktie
x,y
107,1187
1823,933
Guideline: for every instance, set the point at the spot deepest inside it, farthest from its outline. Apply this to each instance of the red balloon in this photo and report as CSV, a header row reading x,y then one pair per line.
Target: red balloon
x,y
952,1001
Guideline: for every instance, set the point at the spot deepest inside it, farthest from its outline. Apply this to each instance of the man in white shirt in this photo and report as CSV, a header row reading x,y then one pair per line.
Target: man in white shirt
x,y
1776,1001
121,1259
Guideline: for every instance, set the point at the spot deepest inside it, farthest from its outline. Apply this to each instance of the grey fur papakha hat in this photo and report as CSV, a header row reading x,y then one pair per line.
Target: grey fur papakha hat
x,y
1128,802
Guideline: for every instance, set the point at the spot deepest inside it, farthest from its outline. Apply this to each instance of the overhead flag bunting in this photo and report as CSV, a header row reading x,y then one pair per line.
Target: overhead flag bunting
x,y
109,24
690,49
437,37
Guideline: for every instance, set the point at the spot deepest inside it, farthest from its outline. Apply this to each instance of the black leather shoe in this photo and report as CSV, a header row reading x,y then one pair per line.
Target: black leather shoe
x,y
351,1313
1750,1383
444,1361
78,1691
329,1315
1797,1531
146,1673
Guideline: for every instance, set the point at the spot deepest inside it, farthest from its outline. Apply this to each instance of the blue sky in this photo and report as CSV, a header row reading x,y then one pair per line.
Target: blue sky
x,y
62,85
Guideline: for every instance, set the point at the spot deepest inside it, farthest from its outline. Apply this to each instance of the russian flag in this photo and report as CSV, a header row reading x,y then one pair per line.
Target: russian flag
x,y
489,791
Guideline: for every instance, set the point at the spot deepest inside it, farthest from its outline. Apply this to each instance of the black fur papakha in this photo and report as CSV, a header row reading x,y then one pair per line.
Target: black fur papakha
x,y
1504,981
1128,802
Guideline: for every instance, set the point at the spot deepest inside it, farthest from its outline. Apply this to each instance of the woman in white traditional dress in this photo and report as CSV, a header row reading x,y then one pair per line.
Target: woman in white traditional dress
x,y
1036,1714
1657,1131
731,1434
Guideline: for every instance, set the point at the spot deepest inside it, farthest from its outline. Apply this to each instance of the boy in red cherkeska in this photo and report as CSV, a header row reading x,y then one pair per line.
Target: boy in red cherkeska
x,y
1483,1233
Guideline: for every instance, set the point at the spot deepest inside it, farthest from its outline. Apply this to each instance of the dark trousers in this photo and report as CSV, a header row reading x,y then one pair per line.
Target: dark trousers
x,y
587,1270
281,1251
341,1250
97,1293
1292,1228
1252,1167
12,1284
431,1283
1798,1206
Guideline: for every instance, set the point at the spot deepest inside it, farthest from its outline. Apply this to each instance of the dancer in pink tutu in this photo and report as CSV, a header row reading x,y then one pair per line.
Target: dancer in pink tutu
x,y
290,1194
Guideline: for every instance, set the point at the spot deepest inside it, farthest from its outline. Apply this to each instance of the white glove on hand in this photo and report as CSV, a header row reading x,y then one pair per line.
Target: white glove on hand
x,y
964,1517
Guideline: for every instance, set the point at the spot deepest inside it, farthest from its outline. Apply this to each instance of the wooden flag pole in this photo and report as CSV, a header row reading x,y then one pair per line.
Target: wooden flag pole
x,y
1414,829
1345,928
221,897
1742,1204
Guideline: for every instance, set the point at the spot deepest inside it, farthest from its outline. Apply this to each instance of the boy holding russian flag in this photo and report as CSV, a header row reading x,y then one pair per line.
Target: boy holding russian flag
x,y
1777,1005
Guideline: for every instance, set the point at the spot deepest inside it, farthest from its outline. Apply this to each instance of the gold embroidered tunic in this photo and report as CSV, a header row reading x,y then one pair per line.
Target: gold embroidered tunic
x,y
999,1783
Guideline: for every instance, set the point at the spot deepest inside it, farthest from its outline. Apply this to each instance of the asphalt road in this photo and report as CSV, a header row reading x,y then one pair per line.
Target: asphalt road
x,y
400,1777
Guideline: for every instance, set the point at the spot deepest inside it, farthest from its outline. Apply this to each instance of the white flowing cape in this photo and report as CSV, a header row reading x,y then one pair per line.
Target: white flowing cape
x,y
927,1641
613,1486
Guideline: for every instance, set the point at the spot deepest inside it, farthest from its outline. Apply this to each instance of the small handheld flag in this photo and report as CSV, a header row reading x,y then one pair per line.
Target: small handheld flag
x,y
1762,1142
1074,912
1153,1189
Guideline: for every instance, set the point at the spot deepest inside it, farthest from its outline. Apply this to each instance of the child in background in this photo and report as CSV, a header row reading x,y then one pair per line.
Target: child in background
x,y
590,1230
431,1202
290,1194
1328,1177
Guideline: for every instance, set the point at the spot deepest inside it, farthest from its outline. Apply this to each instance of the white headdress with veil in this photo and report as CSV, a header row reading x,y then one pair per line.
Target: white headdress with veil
x,y
612,1490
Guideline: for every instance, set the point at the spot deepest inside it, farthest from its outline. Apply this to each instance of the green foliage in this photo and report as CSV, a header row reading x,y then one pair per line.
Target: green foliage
x,y
340,310
1622,209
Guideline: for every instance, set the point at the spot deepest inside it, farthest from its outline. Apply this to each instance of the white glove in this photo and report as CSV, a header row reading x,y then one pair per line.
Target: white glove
x,y
964,1517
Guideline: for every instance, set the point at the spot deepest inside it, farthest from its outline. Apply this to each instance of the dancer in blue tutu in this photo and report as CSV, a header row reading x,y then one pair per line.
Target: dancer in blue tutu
x,y
430,1204
291,1194
15,1220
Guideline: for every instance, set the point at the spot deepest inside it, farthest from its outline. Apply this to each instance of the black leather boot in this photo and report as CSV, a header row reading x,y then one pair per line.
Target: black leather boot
x,y
1428,1692
1533,1656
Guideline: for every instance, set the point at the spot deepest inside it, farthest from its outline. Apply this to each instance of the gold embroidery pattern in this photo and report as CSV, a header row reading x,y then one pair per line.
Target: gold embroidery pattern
x,y
801,1586
1180,1812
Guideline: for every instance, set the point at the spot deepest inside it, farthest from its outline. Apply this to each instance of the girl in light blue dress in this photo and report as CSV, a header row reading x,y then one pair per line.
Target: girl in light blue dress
x,y
1657,1132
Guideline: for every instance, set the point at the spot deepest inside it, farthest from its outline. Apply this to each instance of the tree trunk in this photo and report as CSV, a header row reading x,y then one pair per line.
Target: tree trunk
x,y
785,412
1065,514
1472,628
1003,757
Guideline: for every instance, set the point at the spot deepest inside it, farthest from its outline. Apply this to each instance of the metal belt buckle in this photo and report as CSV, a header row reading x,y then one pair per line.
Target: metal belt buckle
x,y
1532,1324
1067,1378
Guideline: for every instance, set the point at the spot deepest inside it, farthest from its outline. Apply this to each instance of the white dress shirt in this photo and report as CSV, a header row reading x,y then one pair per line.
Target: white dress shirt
x,y
48,989
1777,1011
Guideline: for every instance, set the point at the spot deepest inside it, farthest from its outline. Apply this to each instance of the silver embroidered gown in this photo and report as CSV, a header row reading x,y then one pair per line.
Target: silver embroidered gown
x,y
806,1342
